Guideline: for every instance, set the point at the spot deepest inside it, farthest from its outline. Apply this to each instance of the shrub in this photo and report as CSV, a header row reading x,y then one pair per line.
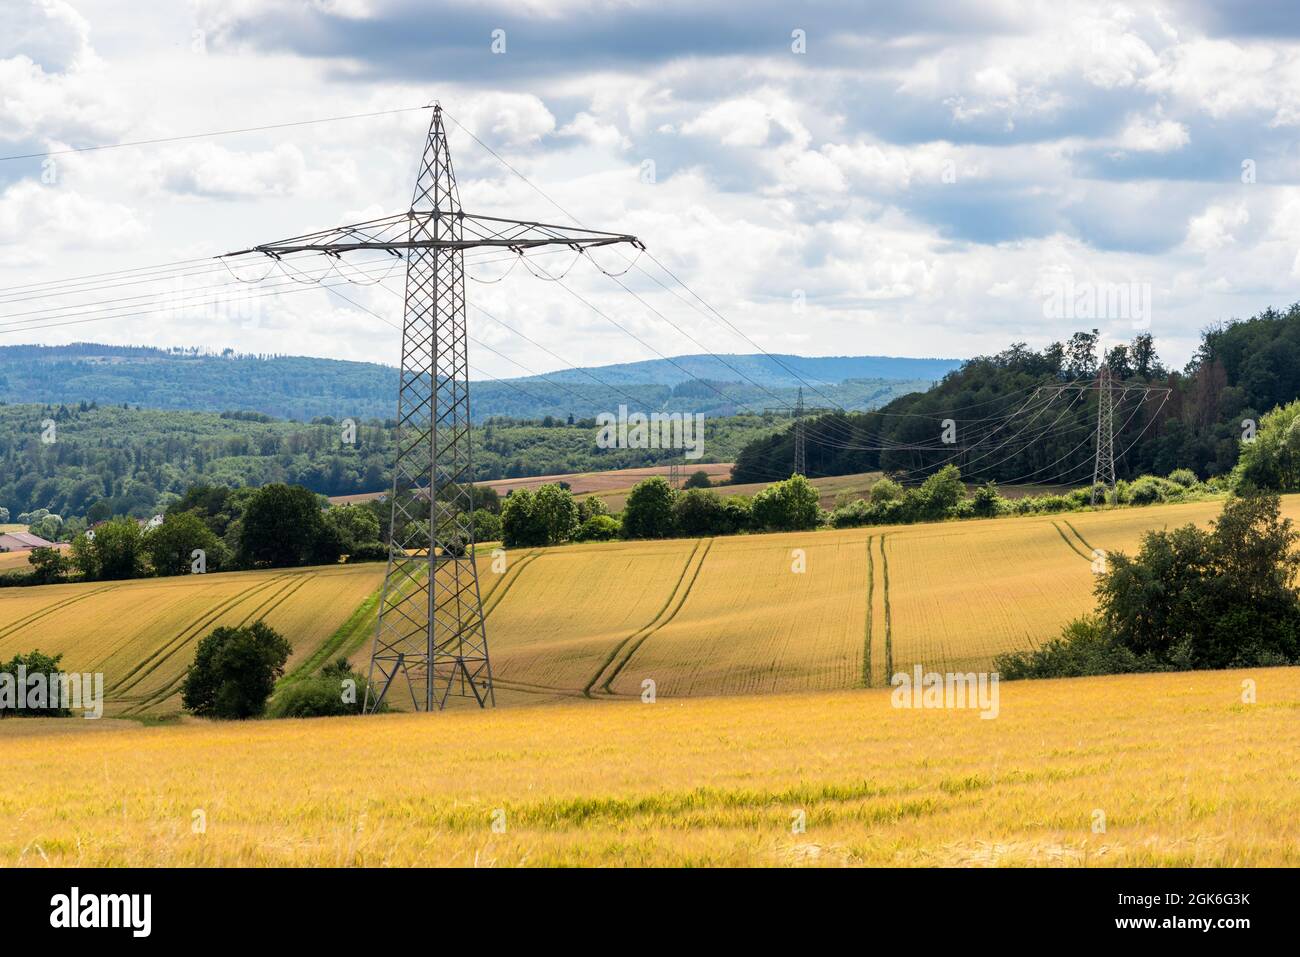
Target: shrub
x,y
787,506
698,512
336,691
1209,599
598,528
1146,490
48,565
1184,477
487,526
698,479
548,516
33,663
234,672
1084,648
986,502
886,490
357,527
649,509
940,493
111,552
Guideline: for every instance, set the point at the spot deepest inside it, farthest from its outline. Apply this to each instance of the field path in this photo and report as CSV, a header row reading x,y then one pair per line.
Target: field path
x,y
618,659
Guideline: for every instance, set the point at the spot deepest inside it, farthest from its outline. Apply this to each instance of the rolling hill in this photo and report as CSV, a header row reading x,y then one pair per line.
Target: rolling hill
x,y
304,388
698,617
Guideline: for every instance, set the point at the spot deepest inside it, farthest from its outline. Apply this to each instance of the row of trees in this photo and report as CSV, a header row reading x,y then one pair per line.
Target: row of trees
x,y
654,509
215,529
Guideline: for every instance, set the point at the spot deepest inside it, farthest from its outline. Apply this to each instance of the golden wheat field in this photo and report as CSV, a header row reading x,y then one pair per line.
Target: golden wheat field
x,y
1169,769
750,614
142,634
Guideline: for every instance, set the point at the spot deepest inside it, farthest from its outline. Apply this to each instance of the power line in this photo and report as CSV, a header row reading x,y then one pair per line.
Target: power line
x,y
199,136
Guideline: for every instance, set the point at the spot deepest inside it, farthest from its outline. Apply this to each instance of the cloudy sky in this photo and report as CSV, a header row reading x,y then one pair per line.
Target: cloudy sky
x,y
914,179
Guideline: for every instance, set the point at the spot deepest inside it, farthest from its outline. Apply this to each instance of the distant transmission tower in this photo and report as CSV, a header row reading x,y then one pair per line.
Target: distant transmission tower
x,y
800,461
1103,470
431,633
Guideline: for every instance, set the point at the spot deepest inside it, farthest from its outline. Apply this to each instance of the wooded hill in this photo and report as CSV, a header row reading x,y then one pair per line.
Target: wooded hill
x,y
1241,370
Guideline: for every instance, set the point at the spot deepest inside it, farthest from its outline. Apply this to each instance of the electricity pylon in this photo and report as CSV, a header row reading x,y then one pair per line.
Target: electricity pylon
x,y
1103,469
431,631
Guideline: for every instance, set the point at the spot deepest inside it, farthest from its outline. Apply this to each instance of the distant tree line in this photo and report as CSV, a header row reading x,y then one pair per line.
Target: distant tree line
x,y
109,460
1241,370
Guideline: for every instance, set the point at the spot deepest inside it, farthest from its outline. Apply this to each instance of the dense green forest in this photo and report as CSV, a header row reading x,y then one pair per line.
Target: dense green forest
x,y
128,461
1241,370
298,387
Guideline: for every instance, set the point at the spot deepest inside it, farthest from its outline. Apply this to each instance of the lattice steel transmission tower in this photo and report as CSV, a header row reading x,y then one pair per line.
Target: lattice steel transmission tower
x,y
431,634
800,457
1103,470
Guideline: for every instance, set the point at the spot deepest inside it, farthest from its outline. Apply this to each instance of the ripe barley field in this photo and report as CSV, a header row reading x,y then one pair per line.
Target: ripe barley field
x,y
1171,769
142,634
749,614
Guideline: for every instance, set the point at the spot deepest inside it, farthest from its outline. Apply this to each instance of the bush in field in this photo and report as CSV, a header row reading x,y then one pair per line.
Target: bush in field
x,y
598,528
986,502
1224,598
649,509
32,663
1084,648
548,516
886,490
1184,477
234,672
699,512
357,527
787,506
487,526
336,691
940,493
49,565
698,479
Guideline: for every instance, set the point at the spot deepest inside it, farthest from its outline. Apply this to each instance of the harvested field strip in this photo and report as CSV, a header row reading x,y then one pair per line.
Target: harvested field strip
x,y
617,649
676,601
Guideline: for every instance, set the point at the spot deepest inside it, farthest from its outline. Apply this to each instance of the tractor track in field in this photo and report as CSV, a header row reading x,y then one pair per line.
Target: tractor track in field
x,y
628,647
499,593
146,667
261,611
1079,536
889,618
23,622
1073,547
871,592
